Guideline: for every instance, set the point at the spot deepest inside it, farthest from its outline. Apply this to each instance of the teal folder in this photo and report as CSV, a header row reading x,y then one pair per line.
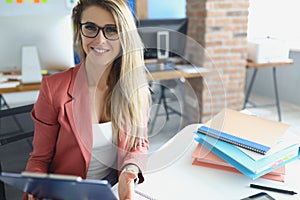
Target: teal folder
x,y
245,164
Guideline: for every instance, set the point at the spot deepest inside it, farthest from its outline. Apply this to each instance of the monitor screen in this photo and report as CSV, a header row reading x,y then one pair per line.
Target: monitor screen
x,y
165,35
52,35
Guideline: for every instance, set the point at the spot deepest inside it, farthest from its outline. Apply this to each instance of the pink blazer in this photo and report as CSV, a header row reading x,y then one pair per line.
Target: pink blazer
x,y
63,128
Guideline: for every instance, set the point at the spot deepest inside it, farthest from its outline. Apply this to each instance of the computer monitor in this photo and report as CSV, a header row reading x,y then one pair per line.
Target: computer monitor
x,y
52,35
163,37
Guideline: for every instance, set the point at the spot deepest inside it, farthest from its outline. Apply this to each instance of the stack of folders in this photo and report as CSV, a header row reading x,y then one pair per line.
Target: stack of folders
x,y
203,157
254,146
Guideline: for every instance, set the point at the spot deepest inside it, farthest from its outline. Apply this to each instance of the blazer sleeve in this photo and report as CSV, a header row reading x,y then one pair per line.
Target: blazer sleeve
x,y
46,125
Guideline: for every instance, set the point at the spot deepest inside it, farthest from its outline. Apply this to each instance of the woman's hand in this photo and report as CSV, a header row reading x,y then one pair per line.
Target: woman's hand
x,y
126,185
31,197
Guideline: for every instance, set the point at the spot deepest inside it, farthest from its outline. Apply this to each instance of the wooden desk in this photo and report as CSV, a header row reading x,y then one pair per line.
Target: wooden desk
x,y
19,88
176,74
159,73
256,66
153,76
274,64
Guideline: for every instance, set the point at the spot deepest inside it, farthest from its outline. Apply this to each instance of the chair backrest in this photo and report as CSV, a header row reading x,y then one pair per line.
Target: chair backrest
x,y
16,110
16,124
2,189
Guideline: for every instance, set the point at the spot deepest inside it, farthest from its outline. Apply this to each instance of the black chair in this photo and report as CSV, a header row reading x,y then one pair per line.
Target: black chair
x,y
168,96
15,125
2,189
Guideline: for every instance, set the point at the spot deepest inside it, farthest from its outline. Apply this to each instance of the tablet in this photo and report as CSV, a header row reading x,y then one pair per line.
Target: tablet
x,y
55,186
259,196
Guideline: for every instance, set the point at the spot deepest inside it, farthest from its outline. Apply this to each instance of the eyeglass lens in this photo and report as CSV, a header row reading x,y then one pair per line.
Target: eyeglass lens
x,y
91,30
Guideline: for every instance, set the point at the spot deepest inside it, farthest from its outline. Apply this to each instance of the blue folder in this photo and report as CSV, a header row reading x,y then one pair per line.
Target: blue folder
x,y
245,164
241,142
59,187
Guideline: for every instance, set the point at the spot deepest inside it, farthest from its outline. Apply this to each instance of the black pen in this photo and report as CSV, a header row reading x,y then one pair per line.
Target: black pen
x,y
272,189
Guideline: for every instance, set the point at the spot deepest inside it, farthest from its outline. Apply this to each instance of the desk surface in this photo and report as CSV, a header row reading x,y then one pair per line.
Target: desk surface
x,y
176,72
185,72
21,88
182,180
271,64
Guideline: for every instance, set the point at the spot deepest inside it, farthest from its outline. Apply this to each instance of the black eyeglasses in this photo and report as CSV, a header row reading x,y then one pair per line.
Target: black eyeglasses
x,y
91,30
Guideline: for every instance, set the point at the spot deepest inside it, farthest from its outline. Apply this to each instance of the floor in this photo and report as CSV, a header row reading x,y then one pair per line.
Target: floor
x,y
290,113
163,131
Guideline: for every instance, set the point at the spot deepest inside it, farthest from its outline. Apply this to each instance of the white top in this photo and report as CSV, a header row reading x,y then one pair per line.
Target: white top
x,y
104,152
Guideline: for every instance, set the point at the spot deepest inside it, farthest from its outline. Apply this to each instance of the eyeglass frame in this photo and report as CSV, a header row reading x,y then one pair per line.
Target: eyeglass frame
x,y
98,31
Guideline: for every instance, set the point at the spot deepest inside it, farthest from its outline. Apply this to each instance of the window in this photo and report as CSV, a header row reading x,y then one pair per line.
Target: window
x,y
275,18
166,9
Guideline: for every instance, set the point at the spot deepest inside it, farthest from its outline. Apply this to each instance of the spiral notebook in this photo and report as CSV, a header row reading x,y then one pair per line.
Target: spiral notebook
x,y
250,132
253,146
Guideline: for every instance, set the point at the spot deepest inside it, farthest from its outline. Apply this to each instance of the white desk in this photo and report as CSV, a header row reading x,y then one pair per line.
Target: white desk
x,y
182,180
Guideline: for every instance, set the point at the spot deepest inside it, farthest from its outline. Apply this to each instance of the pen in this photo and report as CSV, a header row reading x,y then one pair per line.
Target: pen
x,y
272,189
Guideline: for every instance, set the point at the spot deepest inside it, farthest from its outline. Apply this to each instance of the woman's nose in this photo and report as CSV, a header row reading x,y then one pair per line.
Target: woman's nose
x,y
100,37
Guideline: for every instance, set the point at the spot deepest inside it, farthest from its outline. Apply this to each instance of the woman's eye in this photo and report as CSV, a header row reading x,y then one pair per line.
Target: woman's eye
x,y
111,29
90,27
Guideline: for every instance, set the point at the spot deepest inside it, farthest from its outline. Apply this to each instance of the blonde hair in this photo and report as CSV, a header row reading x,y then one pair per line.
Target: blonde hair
x,y
128,96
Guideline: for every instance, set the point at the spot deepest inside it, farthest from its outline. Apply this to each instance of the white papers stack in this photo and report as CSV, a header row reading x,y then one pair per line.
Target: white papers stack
x,y
10,84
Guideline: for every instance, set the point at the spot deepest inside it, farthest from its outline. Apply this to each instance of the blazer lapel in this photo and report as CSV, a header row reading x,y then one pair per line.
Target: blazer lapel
x,y
78,112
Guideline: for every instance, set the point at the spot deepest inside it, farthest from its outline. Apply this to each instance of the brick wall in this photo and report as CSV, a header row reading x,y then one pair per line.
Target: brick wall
x,y
220,27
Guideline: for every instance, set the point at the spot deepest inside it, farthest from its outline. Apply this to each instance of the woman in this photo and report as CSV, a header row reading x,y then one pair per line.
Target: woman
x,y
94,115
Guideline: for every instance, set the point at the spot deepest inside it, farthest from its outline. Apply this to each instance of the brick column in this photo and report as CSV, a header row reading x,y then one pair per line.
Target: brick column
x,y
220,27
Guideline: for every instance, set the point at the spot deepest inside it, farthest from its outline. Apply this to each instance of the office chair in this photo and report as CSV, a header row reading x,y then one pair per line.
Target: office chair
x,y
3,103
164,92
2,189
15,124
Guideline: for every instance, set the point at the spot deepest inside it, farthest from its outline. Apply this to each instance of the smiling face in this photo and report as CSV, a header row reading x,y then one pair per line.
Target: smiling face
x,y
99,50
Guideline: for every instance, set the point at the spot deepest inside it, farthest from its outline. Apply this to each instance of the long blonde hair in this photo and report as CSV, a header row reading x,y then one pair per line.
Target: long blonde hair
x,y
128,96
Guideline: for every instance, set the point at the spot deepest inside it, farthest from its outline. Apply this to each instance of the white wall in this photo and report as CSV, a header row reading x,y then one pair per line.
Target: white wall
x,y
29,8
278,19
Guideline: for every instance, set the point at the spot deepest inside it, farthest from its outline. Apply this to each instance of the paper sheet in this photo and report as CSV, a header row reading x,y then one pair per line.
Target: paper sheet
x,y
292,136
